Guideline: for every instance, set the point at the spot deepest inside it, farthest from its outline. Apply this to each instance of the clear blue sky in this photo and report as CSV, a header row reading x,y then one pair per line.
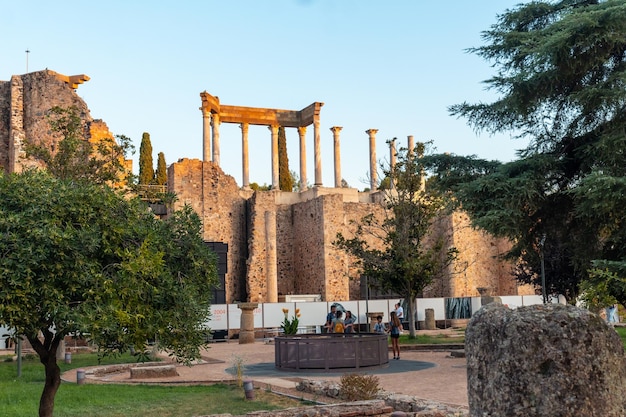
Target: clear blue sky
x,y
394,66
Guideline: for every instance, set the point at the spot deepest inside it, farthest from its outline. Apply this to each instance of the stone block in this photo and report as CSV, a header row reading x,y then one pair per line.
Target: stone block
x,y
544,360
146,372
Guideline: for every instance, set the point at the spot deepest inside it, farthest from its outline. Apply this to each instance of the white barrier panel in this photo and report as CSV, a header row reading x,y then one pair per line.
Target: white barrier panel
x,y
512,301
379,306
437,304
529,300
219,317
273,314
313,313
476,304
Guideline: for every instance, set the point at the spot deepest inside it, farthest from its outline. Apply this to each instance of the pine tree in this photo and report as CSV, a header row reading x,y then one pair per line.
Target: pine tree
x,y
161,171
146,169
285,181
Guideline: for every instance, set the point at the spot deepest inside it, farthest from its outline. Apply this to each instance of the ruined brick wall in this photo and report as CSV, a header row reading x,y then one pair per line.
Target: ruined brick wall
x,y
216,198
256,278
5,111
24,103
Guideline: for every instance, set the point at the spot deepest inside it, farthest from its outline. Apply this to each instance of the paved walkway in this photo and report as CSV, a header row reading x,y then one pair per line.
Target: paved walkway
x,y
431,375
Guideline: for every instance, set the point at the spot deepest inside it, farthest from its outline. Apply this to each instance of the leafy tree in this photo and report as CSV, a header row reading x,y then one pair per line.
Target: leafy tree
x,y
256,187
81,260
161,172
146,167
78,158
561,72
285,180
402,250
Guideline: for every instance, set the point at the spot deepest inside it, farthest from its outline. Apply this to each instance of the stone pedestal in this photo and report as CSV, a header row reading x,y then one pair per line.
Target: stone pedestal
x,y
246,333
429,322
371,318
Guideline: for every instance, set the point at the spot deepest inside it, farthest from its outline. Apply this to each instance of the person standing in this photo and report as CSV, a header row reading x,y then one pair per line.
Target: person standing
x,y
330,317
394,333
348,322
379,327
399,311
338,325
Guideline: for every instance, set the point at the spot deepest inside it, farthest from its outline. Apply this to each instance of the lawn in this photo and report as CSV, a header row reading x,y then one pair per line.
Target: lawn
x,y
20,396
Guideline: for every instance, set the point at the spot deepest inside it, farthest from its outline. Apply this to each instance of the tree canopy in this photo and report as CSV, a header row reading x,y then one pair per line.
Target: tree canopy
x,y
78,158
561,75
79,259
146,167
402,250
285,180
160,175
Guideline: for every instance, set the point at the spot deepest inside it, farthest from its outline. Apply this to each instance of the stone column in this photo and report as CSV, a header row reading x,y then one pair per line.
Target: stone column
x,y
317,153
206,136
410,144
303,179
392,162
429,319
245,162
336,130
215,122
373,168
271,274
372,319
275,178
246,331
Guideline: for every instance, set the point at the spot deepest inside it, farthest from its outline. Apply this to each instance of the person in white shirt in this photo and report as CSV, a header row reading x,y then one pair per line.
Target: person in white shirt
x,y
399,311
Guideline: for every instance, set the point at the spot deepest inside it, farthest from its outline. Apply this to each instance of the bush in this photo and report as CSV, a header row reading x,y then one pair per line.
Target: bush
x,y
358,387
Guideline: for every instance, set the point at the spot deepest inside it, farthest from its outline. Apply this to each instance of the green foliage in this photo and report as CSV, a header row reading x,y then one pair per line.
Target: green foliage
x,y
83,260
561,72
18,396
146,167
256,187
161,173
285,180
358,387
76,157
407,254
290,326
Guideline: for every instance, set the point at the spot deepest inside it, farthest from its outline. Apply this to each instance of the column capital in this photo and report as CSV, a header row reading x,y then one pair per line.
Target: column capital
x,y
371,132
302,130
336,129
244,127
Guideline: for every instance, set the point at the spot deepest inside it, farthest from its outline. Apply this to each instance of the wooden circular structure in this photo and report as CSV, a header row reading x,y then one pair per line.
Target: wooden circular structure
x,y
327,352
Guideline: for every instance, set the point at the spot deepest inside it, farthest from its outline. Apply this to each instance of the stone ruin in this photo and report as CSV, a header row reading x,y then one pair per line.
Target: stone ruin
x,y
544,360
279,243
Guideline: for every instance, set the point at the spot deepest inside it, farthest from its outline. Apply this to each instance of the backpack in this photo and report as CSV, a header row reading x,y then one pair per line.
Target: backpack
x,y
338,327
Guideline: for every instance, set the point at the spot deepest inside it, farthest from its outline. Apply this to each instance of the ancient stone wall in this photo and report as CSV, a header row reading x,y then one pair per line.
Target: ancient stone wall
x,y
5,114
24,103
216,198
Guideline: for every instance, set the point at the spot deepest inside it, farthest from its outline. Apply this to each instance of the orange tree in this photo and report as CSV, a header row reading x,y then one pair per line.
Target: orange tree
x,y
79,259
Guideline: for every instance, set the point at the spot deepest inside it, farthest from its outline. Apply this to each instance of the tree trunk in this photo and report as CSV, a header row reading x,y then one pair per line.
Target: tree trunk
x,y
47,352
412,333
53,381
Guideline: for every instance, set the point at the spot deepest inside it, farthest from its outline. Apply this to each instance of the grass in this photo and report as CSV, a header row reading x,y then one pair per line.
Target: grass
x,y
20,396
433,339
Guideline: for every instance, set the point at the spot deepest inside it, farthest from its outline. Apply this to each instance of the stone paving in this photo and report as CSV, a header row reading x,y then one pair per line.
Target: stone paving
x,y
429,375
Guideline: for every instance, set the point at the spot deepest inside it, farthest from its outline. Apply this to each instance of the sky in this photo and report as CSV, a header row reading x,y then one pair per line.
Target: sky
x,y
395,66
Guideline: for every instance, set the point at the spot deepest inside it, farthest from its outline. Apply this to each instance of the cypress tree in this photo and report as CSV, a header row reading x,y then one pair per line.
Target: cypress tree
x,y
161,171
146,169
285,181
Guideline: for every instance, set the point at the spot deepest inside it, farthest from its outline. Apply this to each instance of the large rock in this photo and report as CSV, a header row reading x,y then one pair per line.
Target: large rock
x,y
544,360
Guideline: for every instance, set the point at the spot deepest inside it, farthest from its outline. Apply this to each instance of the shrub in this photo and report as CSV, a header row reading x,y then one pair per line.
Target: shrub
x,y
358,387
